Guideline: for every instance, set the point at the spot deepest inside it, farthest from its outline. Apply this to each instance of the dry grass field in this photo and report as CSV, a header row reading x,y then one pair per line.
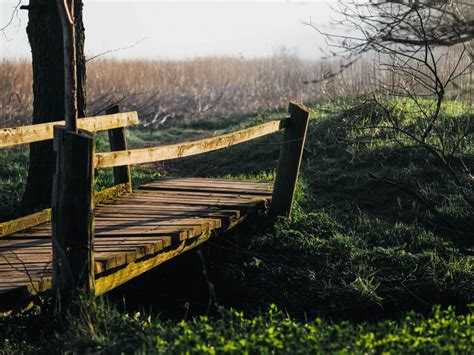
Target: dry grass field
x,y
171,89
166,90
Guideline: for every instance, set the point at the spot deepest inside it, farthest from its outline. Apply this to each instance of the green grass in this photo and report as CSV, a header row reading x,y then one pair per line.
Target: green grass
x,y
273,331
13,173
365,270
356,248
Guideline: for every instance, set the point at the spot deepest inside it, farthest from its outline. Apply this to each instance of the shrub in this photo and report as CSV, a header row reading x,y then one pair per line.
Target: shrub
x,y
442,332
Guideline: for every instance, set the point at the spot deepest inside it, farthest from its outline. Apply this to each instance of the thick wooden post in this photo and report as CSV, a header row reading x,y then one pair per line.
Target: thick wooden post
x,y
290,159
72,217
118,141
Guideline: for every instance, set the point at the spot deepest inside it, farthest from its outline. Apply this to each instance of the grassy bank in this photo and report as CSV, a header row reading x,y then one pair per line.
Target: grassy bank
x,y
357,248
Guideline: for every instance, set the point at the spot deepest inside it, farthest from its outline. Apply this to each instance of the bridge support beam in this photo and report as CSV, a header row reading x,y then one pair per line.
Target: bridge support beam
x,y
72,216
290,160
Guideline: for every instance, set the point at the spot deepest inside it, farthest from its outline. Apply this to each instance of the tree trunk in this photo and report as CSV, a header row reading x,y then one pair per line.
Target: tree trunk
x,y
45,35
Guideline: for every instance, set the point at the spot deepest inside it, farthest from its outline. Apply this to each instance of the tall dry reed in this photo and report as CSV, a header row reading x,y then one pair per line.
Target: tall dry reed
x,y
166,90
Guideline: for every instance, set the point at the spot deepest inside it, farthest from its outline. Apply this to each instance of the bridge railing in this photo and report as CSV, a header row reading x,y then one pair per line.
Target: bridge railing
x,y
291,152
77,243
180,150
120,158
113,122
10,137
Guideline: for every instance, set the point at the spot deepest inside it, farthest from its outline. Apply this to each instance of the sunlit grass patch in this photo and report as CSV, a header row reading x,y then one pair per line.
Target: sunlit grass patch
x,y
270,331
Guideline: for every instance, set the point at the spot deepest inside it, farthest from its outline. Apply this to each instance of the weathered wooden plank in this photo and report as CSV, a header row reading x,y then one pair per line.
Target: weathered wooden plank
x,y
145,224
26,287
11,240
44,131
106,260
231,188
148,155
157,208
40,265
217,201
244,206
150,223
212,202
110,281
225,217
211,182
19,224
25,222
216,180
10,251
22,255
112,193
196,194
138,216
122,249
208,187
211,189
129,231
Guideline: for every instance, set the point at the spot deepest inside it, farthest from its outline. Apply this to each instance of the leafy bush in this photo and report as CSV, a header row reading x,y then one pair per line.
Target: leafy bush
x,y
231,332
442,332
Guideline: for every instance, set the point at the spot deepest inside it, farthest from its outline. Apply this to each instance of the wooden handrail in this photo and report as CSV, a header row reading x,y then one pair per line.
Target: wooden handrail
x,y
44,131
166,152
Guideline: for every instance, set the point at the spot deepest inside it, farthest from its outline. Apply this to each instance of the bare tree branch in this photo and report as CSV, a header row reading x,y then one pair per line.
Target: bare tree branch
x,y
14,13
116,49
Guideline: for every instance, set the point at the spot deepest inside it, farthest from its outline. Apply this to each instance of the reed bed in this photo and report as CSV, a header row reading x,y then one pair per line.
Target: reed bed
x,y
166,90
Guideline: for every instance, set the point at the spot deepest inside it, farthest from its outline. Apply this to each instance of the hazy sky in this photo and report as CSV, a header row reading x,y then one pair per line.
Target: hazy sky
x,y
185,29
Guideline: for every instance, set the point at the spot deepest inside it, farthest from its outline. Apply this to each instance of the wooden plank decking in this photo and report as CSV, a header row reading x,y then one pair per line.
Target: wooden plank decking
x,y
134,233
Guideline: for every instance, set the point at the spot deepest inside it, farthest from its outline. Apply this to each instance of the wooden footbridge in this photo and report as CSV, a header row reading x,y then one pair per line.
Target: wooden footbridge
x,y
134,231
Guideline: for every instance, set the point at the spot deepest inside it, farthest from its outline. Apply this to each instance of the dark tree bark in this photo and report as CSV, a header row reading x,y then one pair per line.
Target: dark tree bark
x,y
45,35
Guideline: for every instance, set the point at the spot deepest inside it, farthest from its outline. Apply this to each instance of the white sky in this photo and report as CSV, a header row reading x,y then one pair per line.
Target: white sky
x,y
186,29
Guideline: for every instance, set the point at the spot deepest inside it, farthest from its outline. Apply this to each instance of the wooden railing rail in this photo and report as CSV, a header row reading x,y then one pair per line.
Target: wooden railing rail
x,y
44,131
180,150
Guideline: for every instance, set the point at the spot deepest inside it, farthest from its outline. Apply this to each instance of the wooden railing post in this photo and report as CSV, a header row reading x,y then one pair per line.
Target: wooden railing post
x,y
72,216
117,142
290,159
